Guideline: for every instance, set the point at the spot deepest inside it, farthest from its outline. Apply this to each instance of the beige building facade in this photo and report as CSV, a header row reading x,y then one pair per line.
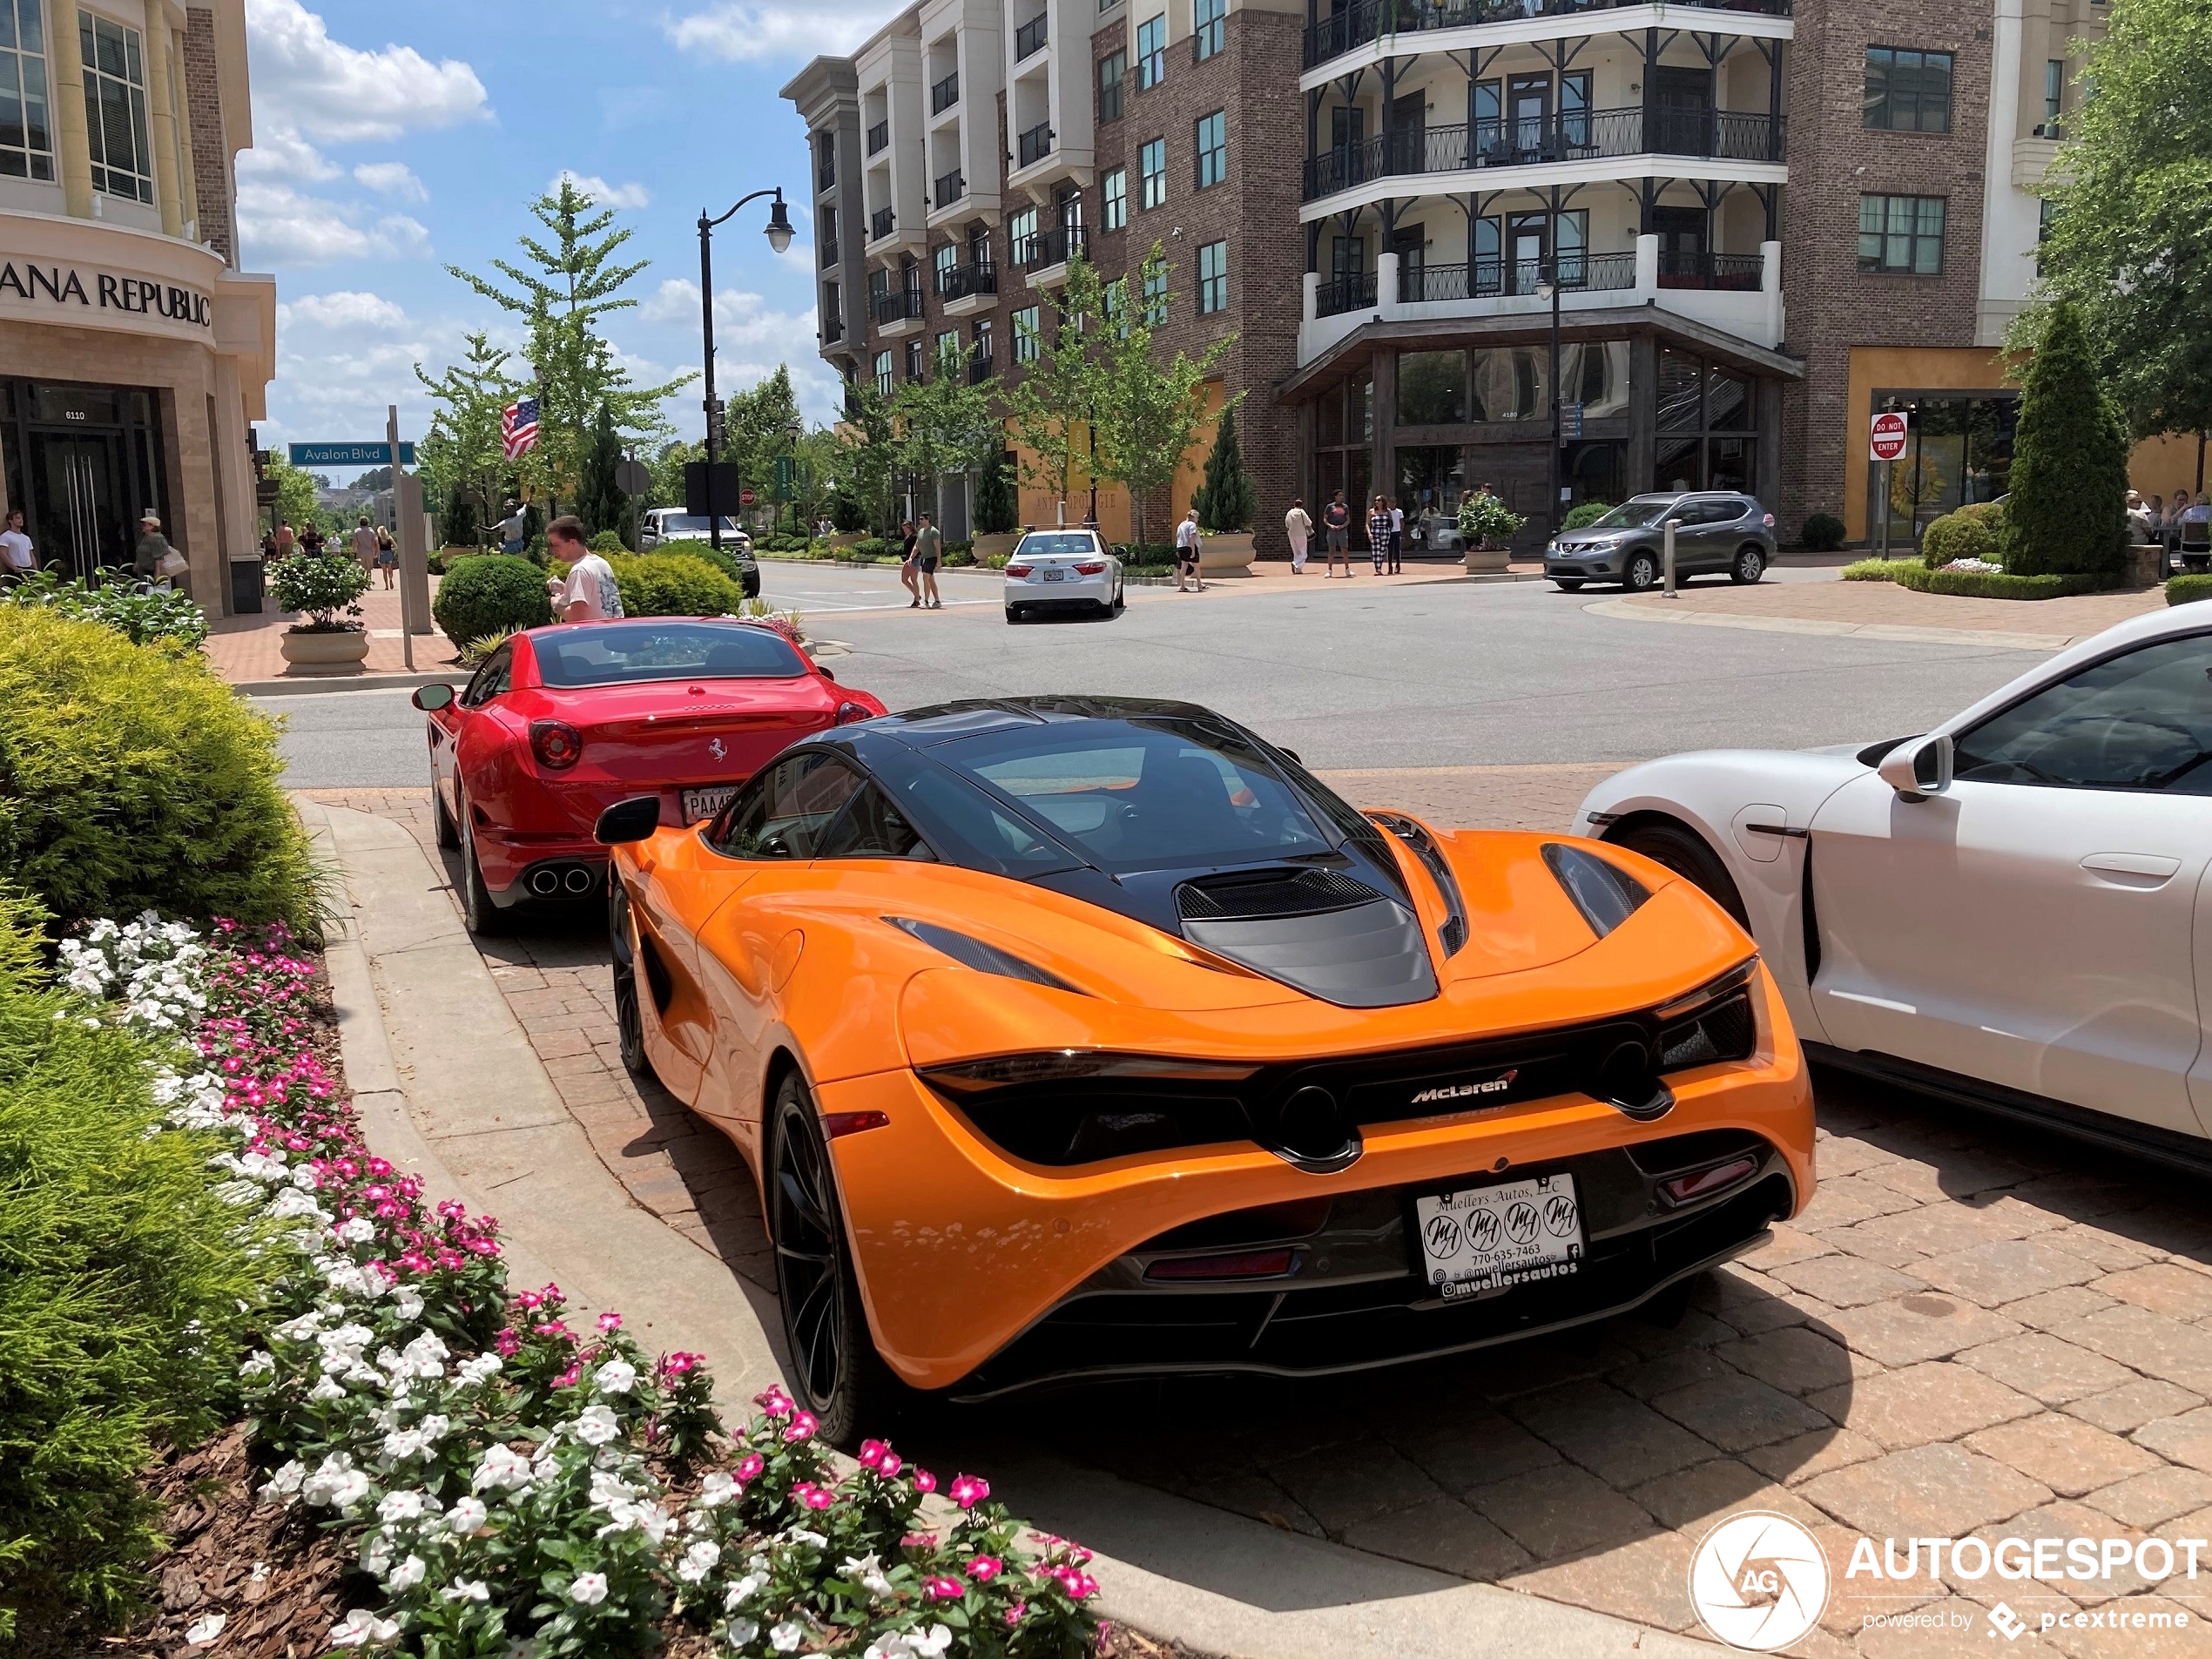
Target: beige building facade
x,y
134,353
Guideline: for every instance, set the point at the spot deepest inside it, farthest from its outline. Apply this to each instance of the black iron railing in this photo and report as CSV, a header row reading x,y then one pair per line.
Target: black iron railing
x,y
826,172
944,93
963,281
1036,144
879,224
1584,135
879,136
978,367
1355,293
898,306
1689,268
1029,38
829,252
1055,245
832,330
1489,278
950,187
1357,24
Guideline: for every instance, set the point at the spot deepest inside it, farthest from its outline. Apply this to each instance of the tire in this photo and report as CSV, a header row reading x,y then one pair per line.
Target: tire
x,y
1641,574
1750,566
1568,587
1121,598
448,831
1013,614
479,914
835,1370
630,1020
1684,851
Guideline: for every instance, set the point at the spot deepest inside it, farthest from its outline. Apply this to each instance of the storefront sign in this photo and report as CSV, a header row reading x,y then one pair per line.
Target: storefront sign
x,y
62,285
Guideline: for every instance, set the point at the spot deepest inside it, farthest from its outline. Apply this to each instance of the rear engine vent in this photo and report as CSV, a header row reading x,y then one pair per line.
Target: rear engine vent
x,y
1270,893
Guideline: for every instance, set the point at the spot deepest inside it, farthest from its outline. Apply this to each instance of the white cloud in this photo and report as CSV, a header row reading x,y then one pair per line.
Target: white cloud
x,y
391,179
280,225
744,30
601,192
279,151
346,309
342,95
751,338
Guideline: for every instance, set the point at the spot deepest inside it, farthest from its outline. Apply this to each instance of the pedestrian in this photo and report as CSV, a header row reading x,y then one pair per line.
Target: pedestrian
x,y
17,557
311,541
2170,526
388,556
1336,527
1396,535
908,574
365,544
1299,529
929,548
285,544
154,562
1186,554
1379,532
589,593
510,530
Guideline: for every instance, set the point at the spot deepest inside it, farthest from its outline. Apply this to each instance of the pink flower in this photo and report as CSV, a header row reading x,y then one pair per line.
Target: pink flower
x,y
924,1482
528,1298
749,1467
813,1497
773,1402
968,1490
610,1323
873,1453
943,1590
803,1425
1013,1613
892,1464
567,1378
679,1364
984,1568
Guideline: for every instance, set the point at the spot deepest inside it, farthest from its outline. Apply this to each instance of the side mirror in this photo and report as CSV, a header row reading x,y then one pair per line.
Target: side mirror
x,y
431,698
1919,767
628,821
826,674
1293,754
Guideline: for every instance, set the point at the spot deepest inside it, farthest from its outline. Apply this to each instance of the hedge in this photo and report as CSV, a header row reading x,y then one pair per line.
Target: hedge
x,y
131,779
490,593
674,584
2001,584
2186,589
1878,570
1955,536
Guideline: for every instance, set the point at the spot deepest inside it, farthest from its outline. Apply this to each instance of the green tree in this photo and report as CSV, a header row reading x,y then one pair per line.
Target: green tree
x,y
462,451
2068,512
2130,238
760,424
295,501
1225,501
944,426
570,285
996,511
867,457
600,502
1050,412
1148,412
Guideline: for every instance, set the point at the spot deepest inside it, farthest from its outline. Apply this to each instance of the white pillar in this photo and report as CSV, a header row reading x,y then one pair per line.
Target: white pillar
x,y
1386,284
1647,267
1312,292
1771,289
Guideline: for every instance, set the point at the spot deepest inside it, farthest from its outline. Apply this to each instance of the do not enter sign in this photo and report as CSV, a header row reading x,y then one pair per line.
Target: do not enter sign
x,y
1885,440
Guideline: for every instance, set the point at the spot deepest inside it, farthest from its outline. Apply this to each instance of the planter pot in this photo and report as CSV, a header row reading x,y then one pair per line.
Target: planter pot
x,y
2146,565
338,653
1228,554
999,545
1486,561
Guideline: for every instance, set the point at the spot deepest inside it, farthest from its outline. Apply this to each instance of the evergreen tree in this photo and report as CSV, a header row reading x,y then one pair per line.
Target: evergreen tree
x,y
996,511
2068,514
599,502
463,449
1224,500
461,525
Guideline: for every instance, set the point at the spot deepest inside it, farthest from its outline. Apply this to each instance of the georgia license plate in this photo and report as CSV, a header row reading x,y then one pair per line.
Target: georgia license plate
x,y
1056,575
1484,1238
705,803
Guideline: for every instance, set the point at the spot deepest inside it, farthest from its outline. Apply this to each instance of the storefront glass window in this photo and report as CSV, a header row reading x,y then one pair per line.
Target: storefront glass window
x,y
1678,399
1431,387
1681,465
1728,402
1431,479
1595,375
1959,451
26,133
1594,470
1728,464
1509,384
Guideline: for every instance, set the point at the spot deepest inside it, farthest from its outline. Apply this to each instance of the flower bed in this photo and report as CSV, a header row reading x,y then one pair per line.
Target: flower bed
x,y
504,1482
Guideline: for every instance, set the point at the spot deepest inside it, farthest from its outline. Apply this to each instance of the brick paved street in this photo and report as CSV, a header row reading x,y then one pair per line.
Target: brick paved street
x,y
1883,604
248,649
1954,1339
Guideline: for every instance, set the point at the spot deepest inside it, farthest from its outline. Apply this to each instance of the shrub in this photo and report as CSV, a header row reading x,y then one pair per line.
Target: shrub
x,y
131,779
1585,513
1878,570
996,511
490,593
674,584
120,1295
1483,517
1999,585
608,542
1990,514
705,551
1956,536
141,618
1823,533
2186,589
2067,510
1224,500
326,590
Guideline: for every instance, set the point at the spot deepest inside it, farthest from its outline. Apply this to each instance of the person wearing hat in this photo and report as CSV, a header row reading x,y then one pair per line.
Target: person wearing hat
x,y
155,562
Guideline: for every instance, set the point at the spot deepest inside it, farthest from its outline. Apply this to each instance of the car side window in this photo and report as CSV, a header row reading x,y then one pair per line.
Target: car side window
x,y
871,827
491,679
782,813
2139,721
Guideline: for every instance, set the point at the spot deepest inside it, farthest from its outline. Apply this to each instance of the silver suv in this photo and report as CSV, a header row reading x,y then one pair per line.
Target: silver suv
x,y
1715,530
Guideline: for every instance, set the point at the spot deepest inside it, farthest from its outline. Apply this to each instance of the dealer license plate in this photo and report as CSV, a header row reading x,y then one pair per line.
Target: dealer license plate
x,y
1485,1238
705,803
1055,574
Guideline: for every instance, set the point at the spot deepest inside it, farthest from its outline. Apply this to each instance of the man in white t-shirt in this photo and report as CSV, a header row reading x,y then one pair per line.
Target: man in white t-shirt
x,y
1186,554
17,557
589,594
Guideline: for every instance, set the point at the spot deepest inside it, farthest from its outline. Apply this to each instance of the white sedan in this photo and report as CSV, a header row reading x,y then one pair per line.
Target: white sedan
x,y
2011,910
1062,570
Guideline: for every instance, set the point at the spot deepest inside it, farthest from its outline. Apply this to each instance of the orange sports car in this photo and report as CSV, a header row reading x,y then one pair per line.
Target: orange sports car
x,y
1074,1036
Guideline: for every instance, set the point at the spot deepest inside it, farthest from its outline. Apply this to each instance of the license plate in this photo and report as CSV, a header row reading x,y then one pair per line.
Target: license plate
x,y
1056,575
1485,1238
705,803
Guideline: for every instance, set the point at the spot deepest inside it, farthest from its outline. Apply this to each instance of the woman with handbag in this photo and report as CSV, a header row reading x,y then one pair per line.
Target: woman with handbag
x,y
156,564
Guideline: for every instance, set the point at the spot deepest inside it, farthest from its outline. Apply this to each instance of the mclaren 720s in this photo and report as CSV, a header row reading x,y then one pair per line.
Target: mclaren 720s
x,y
1083,1036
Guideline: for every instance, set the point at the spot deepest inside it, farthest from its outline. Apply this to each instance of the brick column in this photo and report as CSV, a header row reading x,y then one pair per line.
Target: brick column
x,y
210,155
73,144
162,117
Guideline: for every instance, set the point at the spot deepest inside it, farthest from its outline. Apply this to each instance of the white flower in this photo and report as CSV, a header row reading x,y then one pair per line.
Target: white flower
x,y
406,1302
698,1560
784,1638
402,1505
301,1329
425,1357
467,1516
866,1571
741,1590
202,1631
741,1631
500,1469
931,1643
615,1377
337,1483
258,1364
470,1372
807,1535
596,1425
283,1483
406,1576
360,1627
716,1490
467,1589
590,1590
325,1388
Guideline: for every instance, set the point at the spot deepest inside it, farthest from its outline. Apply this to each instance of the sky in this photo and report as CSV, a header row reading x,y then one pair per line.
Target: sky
x,y
395,139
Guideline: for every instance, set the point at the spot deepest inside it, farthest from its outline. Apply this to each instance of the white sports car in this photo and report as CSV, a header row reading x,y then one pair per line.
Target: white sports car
x,y
2011,910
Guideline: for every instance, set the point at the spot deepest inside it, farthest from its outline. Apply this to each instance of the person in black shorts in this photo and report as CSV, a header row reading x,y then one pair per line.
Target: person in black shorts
x,y
1336,525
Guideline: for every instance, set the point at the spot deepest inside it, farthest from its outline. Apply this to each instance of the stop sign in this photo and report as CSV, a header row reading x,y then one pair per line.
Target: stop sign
x,y
747,498
1885,440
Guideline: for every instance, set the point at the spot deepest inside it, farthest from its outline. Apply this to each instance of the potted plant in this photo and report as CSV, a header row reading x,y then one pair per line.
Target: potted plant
x,y
327,593
1225,503
1486,523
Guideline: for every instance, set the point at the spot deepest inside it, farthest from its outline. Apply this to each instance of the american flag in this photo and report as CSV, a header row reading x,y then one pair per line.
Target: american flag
x,y
518,427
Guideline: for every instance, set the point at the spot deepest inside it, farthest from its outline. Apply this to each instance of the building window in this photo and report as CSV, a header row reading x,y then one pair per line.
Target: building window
x,y
826,162
2054,97
983,345
1152,171
832,314
1156,296
1026,334
1114,184
26,133
1212,165
1908,92
883,373
946,260
1901,234
1213,278
1020,235
1111,68
1151,51
914,359
115,108
1207,29
948,351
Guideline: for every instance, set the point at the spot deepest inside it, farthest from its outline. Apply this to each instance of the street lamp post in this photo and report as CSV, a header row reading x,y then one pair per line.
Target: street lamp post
x,y
1549,288
778,238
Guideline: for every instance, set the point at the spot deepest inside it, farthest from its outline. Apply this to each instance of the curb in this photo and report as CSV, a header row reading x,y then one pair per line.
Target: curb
x,y
449,1088
1898,632
347,682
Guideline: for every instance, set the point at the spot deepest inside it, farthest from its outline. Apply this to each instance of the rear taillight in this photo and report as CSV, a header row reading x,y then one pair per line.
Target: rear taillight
x,y
847,713
1017,570
1767,520
1091,566
836,1124
1684,1187
557,744
1244,1263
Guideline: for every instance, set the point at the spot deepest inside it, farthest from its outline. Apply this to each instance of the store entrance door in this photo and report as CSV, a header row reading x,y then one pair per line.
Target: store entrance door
x,y
84,510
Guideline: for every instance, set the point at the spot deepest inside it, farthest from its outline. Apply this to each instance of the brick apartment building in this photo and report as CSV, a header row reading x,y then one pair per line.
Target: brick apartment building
x,y
1753,223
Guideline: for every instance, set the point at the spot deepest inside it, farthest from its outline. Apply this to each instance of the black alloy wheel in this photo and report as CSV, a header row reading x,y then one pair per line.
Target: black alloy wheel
x,y
448,831
630,1020
479,914
835,1368
1684,851
1750,566
1641,574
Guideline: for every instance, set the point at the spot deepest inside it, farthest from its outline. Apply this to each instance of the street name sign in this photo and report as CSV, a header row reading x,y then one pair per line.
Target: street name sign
x,y
377,453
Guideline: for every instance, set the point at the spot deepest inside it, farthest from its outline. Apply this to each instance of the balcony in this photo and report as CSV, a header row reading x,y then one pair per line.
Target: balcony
x,y
899,306
880,224
1048,249
832,330
1365,20
1487,279
950,188
826,173
1034,144
944,94
1029,38
880,136
1595,135
829,252
968,282
1733,273
980,368
1345,293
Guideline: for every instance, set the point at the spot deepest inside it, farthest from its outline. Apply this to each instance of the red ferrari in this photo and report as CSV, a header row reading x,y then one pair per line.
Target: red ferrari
x,y
561,723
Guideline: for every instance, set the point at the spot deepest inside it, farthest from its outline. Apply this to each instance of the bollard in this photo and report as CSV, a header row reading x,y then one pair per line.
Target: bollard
x,y
1670,558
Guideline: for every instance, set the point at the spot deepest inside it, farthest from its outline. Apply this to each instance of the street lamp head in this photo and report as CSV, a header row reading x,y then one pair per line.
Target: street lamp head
x,y
1544,290
778,224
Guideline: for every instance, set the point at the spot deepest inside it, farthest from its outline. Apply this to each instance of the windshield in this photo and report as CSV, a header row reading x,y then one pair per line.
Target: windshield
x,y
1043,543
695,523
1633,515
619,653
1145,794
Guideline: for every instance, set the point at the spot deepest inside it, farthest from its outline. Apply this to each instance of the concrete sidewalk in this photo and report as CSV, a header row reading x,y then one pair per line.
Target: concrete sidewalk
x,y
248,652
1884,610
451,1088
